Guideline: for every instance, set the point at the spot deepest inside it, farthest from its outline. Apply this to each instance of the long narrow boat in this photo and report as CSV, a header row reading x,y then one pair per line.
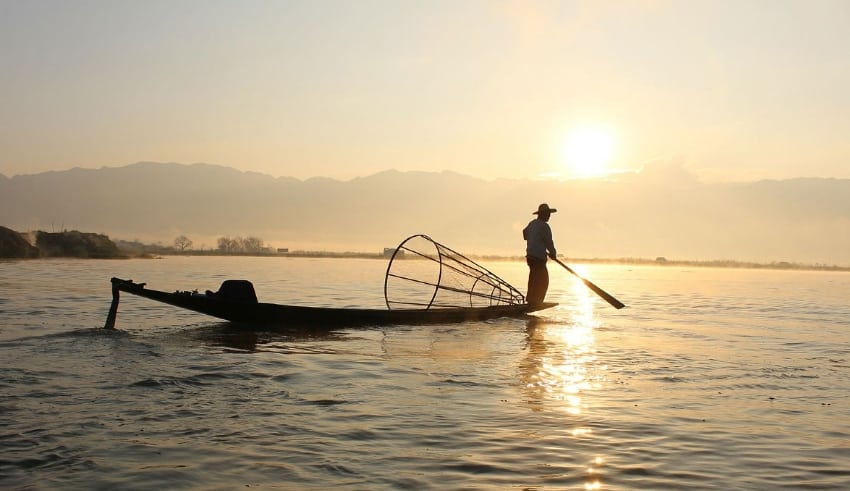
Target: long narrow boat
x,y
425,283
259,313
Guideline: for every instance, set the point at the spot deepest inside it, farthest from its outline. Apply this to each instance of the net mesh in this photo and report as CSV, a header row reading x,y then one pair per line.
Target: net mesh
x,y
425,274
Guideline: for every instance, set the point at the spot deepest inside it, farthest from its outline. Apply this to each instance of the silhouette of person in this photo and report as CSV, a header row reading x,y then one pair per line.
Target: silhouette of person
x,y
539,245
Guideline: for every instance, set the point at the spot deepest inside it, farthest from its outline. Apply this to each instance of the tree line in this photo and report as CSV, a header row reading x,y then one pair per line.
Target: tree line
x,y
226,244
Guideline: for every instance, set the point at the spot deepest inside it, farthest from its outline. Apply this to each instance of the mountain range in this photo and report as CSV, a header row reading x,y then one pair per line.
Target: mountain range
x,y
660,211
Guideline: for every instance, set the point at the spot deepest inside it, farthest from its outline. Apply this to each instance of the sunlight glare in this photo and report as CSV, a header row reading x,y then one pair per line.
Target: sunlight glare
x,y
588,151
581,431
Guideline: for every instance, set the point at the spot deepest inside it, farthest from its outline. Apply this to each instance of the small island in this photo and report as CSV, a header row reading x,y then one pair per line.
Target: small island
x,y
17,245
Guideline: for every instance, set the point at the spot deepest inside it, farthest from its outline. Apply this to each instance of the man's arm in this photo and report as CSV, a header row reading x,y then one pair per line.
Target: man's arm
x,y
550,244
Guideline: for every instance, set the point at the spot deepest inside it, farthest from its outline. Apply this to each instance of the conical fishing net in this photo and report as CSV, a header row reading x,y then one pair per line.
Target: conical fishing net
x,y
425,274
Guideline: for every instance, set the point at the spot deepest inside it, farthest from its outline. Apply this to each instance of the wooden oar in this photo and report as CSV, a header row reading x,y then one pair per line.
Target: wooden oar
x,y
599,291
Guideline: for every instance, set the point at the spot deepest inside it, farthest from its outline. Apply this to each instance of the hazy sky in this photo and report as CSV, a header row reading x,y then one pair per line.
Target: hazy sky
x,y
736,90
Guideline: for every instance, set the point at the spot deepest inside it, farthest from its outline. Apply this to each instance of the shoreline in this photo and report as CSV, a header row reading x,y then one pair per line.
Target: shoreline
x,y
711,263
85,245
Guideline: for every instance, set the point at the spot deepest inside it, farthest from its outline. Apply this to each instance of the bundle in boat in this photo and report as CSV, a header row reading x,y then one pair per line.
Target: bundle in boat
x,y
424,274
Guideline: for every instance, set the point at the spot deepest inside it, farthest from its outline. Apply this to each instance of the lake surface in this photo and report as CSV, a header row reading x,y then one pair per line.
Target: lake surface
x,y
710,379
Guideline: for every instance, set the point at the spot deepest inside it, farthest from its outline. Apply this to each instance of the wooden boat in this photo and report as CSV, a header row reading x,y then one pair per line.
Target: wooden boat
x,y
270,314
425,283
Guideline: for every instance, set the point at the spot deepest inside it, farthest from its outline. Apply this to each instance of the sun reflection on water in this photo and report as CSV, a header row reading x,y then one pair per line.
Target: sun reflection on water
x,y
562,366
563,355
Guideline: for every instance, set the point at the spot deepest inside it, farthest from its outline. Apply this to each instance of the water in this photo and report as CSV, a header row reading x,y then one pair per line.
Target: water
x,y
710,379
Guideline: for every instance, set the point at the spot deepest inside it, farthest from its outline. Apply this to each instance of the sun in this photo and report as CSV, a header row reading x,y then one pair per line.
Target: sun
x,y
588,151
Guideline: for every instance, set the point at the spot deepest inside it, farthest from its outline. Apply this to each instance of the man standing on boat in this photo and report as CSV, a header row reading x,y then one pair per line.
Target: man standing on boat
x,y
539,244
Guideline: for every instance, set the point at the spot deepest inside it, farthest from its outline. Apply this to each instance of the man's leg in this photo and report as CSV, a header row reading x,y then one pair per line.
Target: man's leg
x,y
538,281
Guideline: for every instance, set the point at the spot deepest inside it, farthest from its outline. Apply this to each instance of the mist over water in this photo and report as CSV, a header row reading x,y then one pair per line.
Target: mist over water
x,y
710,379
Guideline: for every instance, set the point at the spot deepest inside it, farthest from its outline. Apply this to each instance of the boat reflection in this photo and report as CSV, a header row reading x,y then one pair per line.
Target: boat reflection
x,y
235,340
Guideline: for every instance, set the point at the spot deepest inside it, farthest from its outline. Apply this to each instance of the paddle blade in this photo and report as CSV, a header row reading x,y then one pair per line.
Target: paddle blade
x,y
599,291
605,296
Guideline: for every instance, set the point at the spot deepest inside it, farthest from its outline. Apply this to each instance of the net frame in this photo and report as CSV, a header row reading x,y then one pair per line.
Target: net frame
x,y
460,282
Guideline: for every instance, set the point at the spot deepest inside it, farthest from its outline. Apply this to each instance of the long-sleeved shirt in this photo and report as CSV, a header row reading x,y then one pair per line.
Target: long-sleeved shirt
x,y
538,236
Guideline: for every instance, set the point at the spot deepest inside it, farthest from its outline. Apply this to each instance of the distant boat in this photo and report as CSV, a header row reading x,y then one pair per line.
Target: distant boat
x,y
432,283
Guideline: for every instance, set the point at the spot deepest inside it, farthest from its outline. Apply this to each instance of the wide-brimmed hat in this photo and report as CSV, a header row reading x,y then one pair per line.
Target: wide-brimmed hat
x,y
543,209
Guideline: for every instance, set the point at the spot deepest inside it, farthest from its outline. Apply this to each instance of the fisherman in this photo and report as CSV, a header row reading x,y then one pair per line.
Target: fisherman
x,y
539,244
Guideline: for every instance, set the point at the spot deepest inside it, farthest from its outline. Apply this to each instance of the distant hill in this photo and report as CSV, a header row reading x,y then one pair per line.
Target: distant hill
x,y
662,211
